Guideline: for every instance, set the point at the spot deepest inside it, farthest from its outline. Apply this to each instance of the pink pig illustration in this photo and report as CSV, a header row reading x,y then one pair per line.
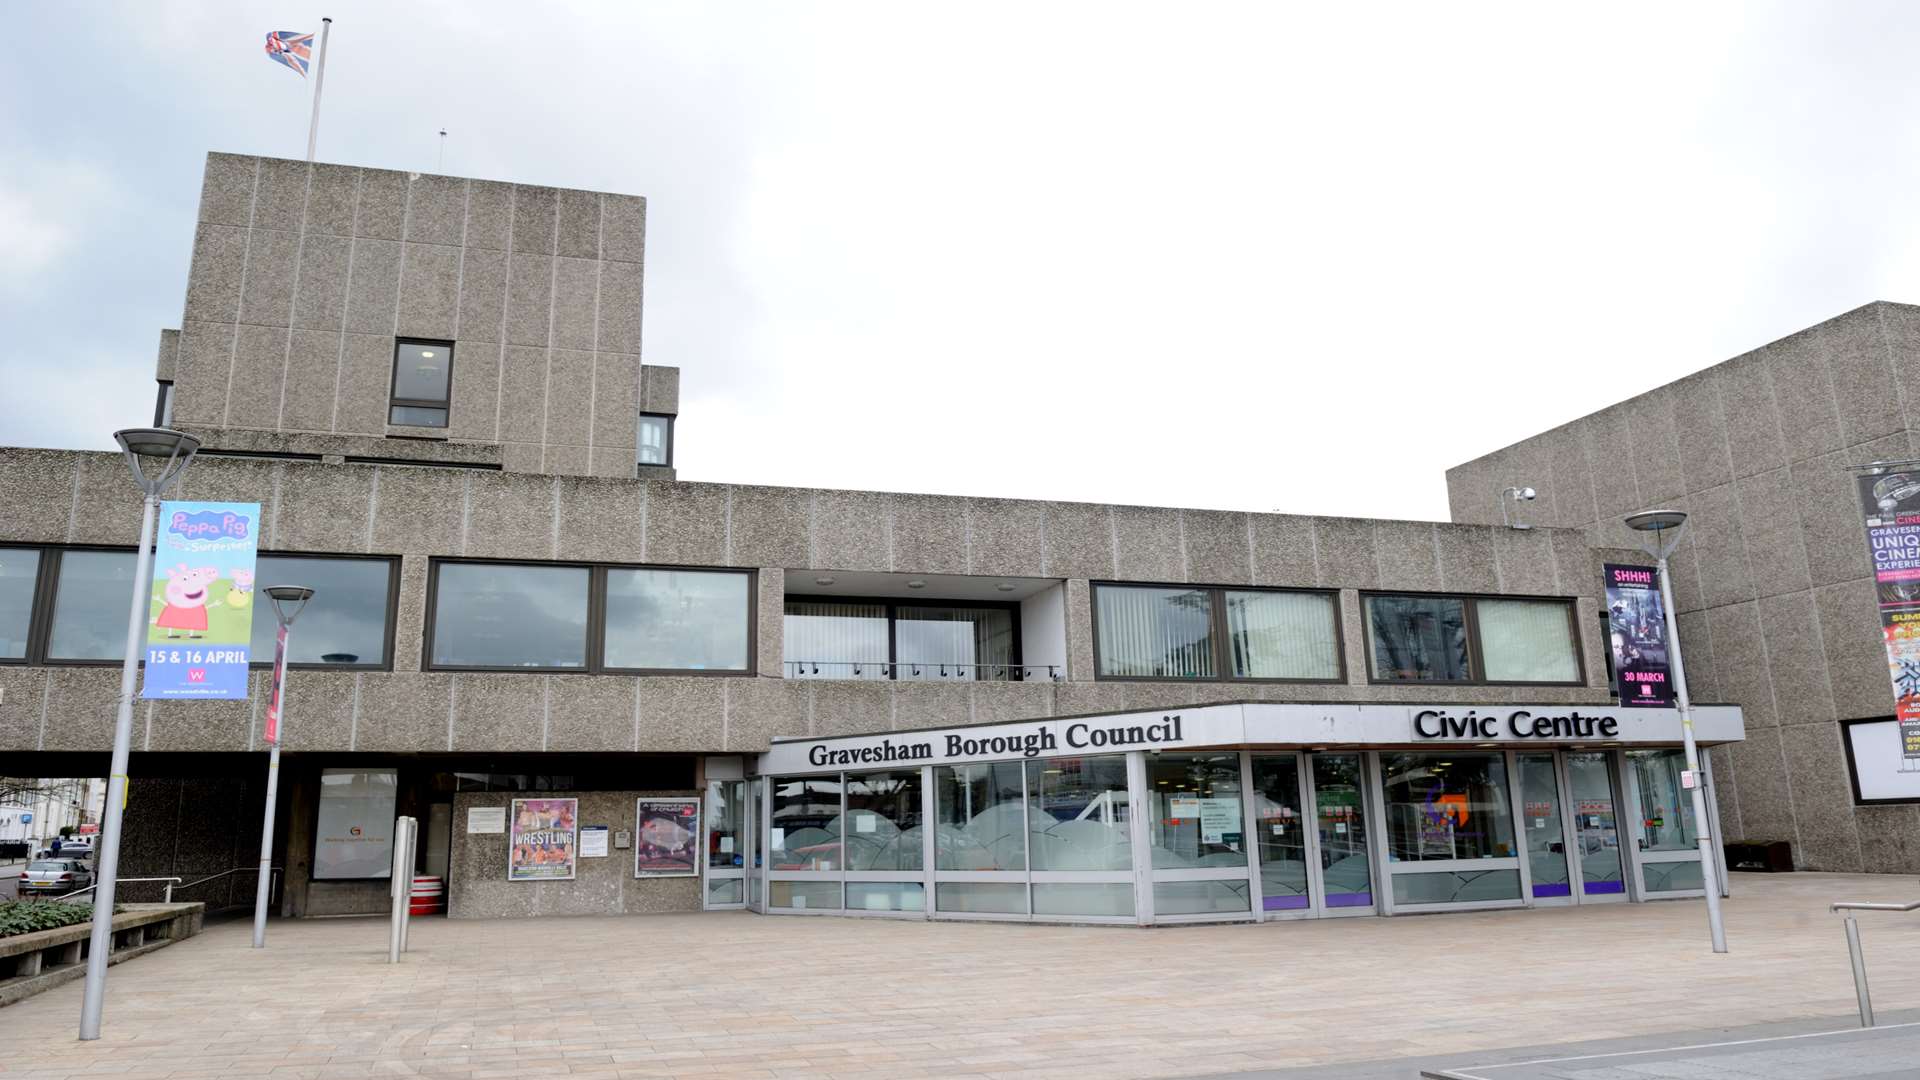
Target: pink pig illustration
x,y
186,594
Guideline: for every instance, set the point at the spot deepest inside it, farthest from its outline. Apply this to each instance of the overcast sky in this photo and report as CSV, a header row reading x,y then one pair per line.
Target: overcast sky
x,y
1245,257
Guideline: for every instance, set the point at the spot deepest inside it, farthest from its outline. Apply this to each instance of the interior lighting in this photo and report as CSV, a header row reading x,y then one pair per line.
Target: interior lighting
x,y
916,583
823,581
1004,587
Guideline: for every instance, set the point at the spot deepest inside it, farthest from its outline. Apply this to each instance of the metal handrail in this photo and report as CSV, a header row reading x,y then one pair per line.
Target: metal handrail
x,y
1853,949
921,671
122,881
273,880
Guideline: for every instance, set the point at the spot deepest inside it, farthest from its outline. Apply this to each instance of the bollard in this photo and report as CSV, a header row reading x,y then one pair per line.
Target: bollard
x,y
1859,972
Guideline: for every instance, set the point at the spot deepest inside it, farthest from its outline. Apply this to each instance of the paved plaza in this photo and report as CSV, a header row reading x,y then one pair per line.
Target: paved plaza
x,y
740,995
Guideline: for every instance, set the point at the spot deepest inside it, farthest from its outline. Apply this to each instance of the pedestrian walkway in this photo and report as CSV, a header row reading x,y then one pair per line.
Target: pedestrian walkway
x,y
740,995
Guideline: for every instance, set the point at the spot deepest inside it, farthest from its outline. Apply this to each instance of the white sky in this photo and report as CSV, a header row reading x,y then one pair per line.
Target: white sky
x,y
1246,257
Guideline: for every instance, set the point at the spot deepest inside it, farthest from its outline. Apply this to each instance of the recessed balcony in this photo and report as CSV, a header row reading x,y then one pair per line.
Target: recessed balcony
x,y
923,628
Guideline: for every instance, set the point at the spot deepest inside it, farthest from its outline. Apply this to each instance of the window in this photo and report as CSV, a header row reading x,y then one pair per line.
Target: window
x,y
163,405
19,575
562,617
1463,639
1166,632
655,439
1077,813
1447,806
982,824
90,606
676,620
878,639
804,831
883,821
348,623
422,374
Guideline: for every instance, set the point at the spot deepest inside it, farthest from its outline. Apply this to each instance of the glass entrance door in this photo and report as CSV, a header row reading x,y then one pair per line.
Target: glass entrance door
x,y
750,838
1666,838
725,844
1280,827
1543,829
1596,825
1340,823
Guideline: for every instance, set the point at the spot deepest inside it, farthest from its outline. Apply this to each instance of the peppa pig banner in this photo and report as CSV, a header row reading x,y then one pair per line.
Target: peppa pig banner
x,y
201,619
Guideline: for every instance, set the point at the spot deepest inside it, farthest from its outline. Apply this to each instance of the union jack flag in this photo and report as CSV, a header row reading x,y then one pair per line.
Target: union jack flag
x,y
292,48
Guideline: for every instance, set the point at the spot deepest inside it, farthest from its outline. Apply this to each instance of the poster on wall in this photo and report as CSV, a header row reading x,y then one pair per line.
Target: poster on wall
x,y
353,832
1637,630
666,838
542,842
1890,503
200,622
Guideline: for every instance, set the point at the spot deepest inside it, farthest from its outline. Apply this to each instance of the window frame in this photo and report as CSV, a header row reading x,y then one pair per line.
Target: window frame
x,y
669,418
395,401
1853,766
392,618
1222,649
596,643
1476,665
892,605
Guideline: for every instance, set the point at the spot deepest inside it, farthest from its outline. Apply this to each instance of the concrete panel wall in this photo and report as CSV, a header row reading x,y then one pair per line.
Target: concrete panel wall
x,y
477,868
1772,579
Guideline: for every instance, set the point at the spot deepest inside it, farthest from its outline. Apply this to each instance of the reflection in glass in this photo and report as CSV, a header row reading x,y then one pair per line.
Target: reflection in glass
x,y
1420,638
1540,822
1456,887
886,896
882,827
825,640
19,569
501,615
1282,635
1077,813
1082,898
1527,641
935,643
1595,826
1672,876
655,439
1447,806
805,895
1201,897
1154,633
804,833
725,810
983,824
344,623
416,416
90,606
724,890
1196,819
981,897
420,371
676,620
1340,819
1280,828
1666,809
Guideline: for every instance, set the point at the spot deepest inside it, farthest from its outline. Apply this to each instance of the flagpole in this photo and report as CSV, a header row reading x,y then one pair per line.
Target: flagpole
x,y
319,81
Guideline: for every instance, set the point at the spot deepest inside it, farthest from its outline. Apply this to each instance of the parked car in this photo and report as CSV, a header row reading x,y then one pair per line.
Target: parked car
x,y
55,876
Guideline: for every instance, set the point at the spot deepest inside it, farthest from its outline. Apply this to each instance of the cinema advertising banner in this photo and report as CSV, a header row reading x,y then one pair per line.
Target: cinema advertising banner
x,y
542,840
666,838
200,623
1637,623
1890,503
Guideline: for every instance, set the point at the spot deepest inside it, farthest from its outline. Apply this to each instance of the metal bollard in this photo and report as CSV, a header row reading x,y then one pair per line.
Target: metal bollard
x,y
1859,972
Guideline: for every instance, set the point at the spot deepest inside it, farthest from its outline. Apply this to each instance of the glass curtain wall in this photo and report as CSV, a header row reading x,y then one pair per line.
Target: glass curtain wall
x,y
1279,826
1340,822
884,841
1080,836
981,834
803,843
1449,828
1196,827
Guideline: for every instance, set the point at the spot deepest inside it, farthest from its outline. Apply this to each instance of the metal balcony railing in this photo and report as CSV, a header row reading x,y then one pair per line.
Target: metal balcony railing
x,y
903,671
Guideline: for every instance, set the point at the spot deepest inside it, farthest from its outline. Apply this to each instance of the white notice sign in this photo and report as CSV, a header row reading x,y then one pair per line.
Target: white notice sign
x,y
486,819
593,841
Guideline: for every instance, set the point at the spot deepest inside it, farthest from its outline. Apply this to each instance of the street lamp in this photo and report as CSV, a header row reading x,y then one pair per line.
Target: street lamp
x,y
1661,523
158,457
287,602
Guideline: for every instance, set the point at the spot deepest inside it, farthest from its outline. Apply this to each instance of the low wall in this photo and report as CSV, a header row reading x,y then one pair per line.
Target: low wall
x,y
42,960
477,867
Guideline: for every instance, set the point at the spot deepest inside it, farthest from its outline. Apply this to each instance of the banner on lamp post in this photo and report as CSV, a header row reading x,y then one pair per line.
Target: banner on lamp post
x,y
271,732
1642,668
1890,504
200,624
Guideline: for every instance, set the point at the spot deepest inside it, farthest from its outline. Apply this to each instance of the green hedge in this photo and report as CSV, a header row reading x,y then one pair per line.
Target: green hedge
x,y
28,916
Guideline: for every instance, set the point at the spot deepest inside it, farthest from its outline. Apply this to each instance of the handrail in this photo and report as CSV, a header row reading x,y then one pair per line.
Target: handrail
x,y
273,880
124,880
921,671
1853,949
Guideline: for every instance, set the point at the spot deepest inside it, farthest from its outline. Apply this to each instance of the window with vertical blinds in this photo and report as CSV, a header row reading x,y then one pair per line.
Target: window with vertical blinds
x,y
1468,639
1527,641
1149,632
835,640
930,641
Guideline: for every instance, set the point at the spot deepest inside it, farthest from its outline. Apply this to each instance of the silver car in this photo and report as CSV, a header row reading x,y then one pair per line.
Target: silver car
x,y
55,876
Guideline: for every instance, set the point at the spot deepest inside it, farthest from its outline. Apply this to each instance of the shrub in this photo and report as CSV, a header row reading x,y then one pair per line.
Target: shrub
x,y
28,916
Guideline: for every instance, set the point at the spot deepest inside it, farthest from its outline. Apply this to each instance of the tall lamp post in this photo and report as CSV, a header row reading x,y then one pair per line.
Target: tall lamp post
x,y
158,457
1664,525
287,602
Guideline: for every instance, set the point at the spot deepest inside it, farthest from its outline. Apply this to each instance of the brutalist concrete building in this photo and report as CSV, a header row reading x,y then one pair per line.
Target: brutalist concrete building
x,y
890,704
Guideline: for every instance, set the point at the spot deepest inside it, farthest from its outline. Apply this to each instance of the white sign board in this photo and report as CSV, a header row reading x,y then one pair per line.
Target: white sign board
x,y
593,841
1880,770
353,833
486,819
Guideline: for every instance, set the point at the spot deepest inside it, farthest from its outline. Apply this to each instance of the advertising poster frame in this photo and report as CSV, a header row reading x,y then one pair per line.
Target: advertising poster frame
x,y
200,615
673,822
1637,637
1890,509
527,835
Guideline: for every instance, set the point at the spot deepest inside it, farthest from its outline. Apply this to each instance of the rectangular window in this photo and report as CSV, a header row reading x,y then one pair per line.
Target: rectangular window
x,y
883,821
804,831
1164,632
879,639
982,823
19,575
348,623
1447,806
677,620
422,376
496,615
1464,639
1196,811
559,617
1077,813
90,606
655,439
